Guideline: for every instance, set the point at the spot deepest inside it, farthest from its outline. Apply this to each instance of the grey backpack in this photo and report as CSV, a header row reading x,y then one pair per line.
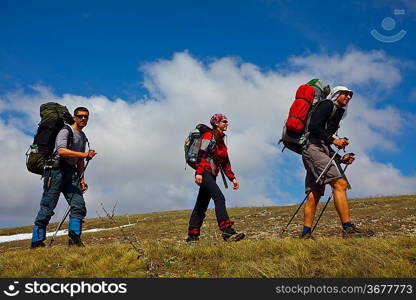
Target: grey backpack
x,y
192,144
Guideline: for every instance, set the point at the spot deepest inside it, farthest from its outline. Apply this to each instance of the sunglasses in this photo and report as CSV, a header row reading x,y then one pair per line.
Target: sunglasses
x,y
224,121
82,116
347,93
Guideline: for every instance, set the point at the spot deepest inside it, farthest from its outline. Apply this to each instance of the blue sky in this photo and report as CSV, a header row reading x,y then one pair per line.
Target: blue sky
x,y
99,48
94,47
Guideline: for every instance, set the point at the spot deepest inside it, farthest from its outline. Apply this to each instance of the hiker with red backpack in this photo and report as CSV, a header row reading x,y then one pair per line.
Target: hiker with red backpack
x,y
211,158
313,120
61,173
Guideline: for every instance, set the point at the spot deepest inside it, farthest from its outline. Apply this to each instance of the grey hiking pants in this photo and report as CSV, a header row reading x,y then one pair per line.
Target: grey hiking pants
x,y
315,158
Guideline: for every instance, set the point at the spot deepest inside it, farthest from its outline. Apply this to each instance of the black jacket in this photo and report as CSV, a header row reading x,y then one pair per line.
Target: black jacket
x,y
322,126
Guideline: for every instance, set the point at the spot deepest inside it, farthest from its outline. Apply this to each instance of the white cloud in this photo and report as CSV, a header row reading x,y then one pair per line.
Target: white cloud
x,y
18,189
379,178
353,68
140,162
370,128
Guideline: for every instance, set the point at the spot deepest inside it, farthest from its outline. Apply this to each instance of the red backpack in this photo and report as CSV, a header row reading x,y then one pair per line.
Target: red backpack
x,y
295,130
299,111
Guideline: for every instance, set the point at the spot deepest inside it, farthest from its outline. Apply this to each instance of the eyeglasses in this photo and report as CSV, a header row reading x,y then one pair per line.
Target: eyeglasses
x,y
224,121
347,93
82,116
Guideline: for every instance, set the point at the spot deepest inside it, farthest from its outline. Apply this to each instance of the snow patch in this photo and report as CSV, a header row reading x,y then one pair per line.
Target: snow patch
x,y
28,236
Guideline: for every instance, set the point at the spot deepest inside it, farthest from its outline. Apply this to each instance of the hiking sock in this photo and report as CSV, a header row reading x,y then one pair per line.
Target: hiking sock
x,y
346,225
306,230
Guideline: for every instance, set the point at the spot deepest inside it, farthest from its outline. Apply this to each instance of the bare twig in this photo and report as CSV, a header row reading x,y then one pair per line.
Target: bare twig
x,y
150,266
135,244
98,214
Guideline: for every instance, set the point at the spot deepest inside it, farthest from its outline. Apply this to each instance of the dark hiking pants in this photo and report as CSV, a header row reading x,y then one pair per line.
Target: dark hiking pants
x,y
65,181
208,189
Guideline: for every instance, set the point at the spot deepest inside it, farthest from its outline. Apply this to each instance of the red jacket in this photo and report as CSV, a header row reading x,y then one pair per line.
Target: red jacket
x,y
219,155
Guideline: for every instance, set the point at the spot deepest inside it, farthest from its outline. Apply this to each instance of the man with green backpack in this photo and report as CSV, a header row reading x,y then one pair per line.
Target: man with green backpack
x,y
61,172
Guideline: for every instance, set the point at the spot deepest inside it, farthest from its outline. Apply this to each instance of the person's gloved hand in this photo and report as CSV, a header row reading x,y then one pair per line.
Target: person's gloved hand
x,y
348,158
341,143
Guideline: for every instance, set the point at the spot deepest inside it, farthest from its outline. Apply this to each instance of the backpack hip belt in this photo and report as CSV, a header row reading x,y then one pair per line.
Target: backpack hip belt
x,y
211,162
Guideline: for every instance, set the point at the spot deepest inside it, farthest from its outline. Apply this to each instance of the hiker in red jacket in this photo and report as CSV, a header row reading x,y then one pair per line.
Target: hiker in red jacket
x,y
213,156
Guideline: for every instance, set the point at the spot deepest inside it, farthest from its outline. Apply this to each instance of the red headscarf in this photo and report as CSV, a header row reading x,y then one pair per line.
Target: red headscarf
x,y
217,118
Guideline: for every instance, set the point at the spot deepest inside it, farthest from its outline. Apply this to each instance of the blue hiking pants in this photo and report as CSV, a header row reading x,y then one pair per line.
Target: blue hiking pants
x,y
65,181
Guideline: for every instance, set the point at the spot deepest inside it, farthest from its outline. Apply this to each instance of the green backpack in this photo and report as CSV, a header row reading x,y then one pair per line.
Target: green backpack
x,y
54,117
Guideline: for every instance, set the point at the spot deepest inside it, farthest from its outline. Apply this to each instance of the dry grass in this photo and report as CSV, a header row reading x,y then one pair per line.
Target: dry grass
x,y
267,252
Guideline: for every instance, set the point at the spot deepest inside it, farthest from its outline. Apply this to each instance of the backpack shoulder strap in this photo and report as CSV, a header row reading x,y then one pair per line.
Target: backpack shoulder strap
x,y
207,140
314,107
86,140
319,103
212,142
334,110
70,136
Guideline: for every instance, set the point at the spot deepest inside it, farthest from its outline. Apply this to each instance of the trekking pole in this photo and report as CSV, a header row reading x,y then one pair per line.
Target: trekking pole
x,y
223,178
323,209
327,165
291,219
68,209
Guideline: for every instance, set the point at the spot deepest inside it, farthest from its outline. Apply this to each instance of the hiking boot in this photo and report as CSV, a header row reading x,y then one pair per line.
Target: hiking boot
x,y
75,241
354,232
307,236
193,235
192,238
38,244
229,234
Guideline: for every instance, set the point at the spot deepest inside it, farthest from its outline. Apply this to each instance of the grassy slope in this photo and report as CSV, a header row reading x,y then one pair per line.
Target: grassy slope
x,y
267,252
